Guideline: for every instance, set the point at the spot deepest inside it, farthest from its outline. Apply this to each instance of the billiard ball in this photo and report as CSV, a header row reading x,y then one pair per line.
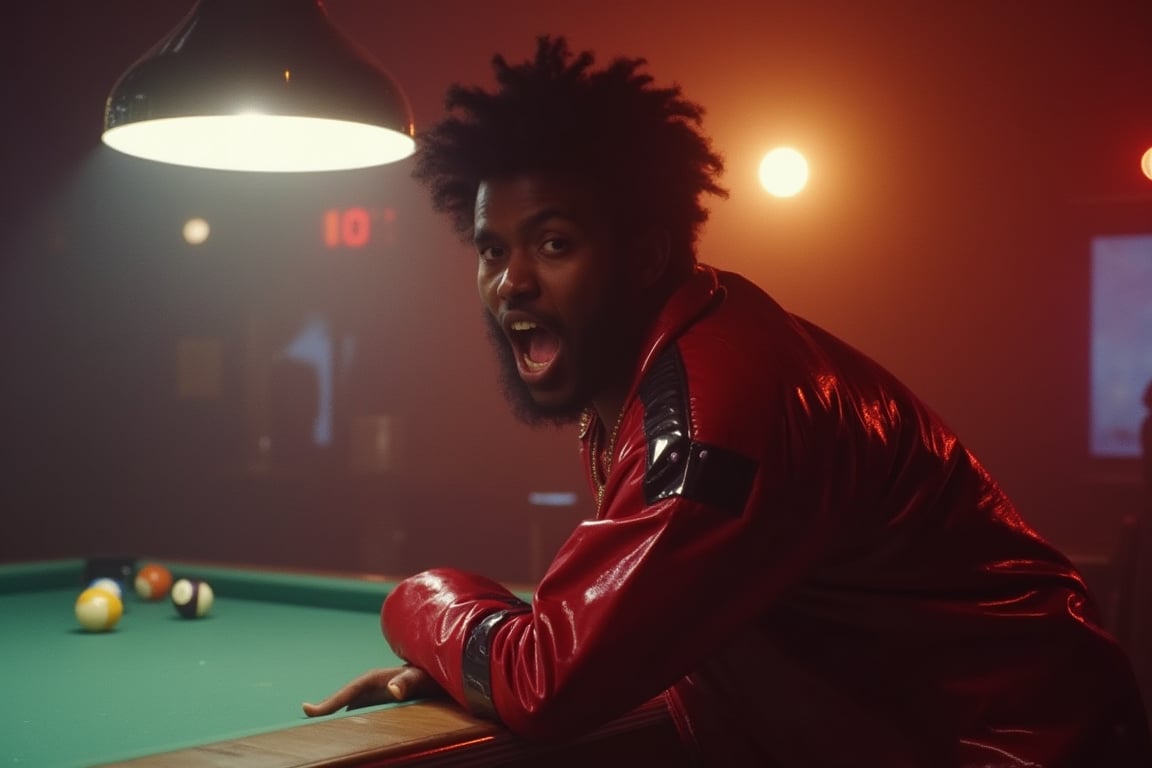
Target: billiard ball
x,y
192,598
109,584
153,582
98,609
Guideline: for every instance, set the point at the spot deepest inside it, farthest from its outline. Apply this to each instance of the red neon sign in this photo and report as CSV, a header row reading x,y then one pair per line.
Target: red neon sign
x,y
357,227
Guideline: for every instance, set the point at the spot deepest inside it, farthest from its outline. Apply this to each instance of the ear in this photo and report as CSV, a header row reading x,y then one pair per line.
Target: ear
x,y
655,251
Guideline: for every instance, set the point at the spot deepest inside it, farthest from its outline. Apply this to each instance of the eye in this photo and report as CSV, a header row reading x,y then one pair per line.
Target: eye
x,y
554,246
490,253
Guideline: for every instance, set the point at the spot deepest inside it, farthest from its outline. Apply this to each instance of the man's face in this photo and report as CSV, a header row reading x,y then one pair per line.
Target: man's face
x,y
558,299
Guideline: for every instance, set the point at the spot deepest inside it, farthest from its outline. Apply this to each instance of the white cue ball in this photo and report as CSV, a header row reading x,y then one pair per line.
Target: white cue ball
x,y
111,585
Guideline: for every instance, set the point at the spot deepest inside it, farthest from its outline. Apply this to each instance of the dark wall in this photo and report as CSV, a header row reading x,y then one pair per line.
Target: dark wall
x,y
963,154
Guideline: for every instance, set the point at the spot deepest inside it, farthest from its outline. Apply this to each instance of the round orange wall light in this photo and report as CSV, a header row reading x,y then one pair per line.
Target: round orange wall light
x,y
1146,162
783,172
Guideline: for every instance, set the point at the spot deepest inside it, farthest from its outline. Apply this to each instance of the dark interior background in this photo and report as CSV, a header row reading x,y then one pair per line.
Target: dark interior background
x,y
963,153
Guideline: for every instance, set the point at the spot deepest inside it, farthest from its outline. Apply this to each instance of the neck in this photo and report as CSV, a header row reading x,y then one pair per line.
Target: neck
x,y
648,303
610,401
608,411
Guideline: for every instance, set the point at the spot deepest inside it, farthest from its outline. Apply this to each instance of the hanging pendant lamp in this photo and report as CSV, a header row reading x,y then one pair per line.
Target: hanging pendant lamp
x,y
258,85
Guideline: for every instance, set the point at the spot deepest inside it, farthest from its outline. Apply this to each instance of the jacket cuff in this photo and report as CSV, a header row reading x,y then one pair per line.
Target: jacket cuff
x,y
476,668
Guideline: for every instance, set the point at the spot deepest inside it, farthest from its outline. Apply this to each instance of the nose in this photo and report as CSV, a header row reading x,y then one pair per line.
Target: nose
x,y
518,280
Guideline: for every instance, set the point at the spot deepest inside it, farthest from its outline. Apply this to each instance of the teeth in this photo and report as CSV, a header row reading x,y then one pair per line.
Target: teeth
x,y
527,325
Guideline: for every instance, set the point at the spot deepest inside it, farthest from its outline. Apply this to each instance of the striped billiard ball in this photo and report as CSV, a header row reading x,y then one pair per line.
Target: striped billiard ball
x,y
98,609
192,598
153,582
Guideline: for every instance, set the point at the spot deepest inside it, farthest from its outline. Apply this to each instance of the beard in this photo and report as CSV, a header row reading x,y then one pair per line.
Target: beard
x,y
516,392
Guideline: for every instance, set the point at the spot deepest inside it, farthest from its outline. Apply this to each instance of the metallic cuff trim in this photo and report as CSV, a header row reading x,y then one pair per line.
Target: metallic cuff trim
x,y
477,665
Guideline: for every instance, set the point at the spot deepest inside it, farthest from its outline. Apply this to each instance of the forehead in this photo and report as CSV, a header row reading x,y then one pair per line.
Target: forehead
x,y
509,201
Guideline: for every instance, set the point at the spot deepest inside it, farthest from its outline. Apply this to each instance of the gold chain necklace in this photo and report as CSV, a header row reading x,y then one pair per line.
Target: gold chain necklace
x,y
602,462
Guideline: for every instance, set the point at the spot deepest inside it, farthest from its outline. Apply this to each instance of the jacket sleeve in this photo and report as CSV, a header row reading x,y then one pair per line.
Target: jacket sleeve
x,y
629,606
632,602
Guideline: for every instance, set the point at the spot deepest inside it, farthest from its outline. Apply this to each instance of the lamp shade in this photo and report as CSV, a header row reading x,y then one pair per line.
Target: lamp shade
x,y
258,85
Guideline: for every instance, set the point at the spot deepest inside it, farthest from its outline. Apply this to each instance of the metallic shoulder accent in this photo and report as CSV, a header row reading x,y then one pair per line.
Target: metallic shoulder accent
x,y
664,393
476,668
677,464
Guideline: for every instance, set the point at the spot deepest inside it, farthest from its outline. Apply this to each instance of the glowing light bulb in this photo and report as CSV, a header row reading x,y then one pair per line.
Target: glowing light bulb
x,y
783,172
196,231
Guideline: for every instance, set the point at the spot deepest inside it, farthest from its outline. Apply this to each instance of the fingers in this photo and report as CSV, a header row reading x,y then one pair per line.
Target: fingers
x,y
333,703
318,710
411,683
379,686
367,689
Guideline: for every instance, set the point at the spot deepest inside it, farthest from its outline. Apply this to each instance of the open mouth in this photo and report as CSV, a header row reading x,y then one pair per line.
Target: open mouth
x,y
536,347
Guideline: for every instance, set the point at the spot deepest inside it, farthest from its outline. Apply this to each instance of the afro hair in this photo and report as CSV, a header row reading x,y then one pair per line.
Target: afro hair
x,y
554,115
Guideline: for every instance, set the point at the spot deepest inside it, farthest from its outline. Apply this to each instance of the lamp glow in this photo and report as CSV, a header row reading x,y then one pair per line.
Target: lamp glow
x,y
267,143
196,231
783,172
1146,163
258,85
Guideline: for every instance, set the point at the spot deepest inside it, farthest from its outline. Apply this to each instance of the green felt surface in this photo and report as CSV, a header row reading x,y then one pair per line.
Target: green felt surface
x,y
159,682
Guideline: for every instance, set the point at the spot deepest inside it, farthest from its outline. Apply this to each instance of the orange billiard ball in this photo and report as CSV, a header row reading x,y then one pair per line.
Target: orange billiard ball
x,y
153,582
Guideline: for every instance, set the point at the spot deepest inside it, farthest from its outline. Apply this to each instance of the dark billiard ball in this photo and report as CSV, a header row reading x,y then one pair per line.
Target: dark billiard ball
x,y
192,598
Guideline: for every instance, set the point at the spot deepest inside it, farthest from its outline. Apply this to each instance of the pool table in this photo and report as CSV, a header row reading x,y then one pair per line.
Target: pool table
x,y
225,690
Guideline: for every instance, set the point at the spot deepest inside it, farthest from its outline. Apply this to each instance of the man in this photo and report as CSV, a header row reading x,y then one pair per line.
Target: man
x,y
788,547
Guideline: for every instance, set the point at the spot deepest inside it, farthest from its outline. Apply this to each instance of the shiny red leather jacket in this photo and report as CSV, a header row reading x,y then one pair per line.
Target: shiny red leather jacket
x,y
807,564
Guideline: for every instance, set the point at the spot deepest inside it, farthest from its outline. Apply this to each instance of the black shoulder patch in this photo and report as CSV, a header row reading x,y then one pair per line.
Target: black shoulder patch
x,y
678,465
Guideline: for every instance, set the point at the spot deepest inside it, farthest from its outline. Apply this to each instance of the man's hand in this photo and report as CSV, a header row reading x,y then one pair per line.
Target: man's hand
x,y
379,686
